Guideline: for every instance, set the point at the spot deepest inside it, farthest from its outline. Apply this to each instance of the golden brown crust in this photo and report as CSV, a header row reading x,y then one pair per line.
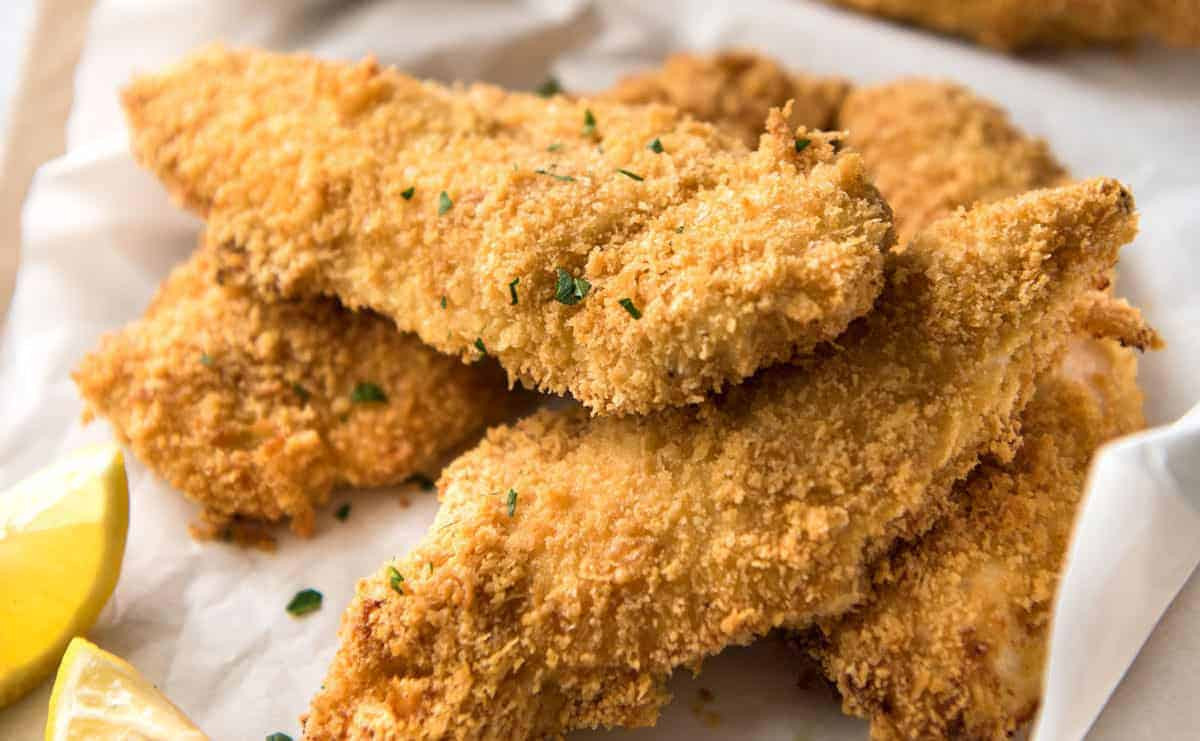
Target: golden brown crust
x,y
735,259
630,546
953,642
933,147
734,90
245,405
1100,315
1012,25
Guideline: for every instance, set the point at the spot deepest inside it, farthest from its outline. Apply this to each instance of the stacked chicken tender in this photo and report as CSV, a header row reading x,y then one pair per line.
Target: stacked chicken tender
x,y
799,407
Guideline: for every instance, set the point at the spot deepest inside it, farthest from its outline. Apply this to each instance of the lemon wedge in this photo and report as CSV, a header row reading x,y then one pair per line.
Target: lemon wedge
x,y
101,697
62,535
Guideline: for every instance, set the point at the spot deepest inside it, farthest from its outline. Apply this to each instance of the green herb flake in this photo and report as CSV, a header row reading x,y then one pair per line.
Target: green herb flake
x,y
549,88
512,502
395,578
305,601
421,480
570,290
342,512
802,144
589,123
408,193
206,360
277,736
512,290
679,229
627,304
366,392
480,346
631,175
301,393
655,146
443,302
444,203
556,146
556,176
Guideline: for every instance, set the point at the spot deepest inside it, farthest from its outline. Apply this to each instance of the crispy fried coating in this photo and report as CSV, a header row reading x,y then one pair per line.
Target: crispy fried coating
x,y
248,407
734,90
577,561
954,641
1012,25
933,147
462,213
1100,315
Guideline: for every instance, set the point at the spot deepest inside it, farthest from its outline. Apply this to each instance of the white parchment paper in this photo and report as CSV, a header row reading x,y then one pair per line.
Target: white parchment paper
x,y
206,622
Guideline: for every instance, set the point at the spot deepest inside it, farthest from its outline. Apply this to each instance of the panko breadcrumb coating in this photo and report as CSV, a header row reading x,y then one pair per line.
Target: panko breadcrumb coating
x,y
933,147
734,90
550,234
576,561
249,407
929,658
1012,25
954,642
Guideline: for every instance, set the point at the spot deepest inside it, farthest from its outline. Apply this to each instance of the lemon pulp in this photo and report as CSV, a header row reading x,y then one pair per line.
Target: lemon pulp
x,y
100,697
62,537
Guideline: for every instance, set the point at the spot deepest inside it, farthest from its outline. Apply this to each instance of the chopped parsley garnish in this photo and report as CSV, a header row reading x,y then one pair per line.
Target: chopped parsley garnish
x,y
679,229
512,289
366,392
443,302
395,578
556,176
802,144
512,502
422,481
301,393
554,147
632,175
444,203
277,736
480,346
206,359
305,601
627,304
655,146
570,290
342,512
408,194
589,123
549,88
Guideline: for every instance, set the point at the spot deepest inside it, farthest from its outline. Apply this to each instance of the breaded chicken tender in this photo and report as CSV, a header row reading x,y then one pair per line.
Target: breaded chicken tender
x,y
933,147
955,640
1012,25
258,410
576,561
629,255
734,90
